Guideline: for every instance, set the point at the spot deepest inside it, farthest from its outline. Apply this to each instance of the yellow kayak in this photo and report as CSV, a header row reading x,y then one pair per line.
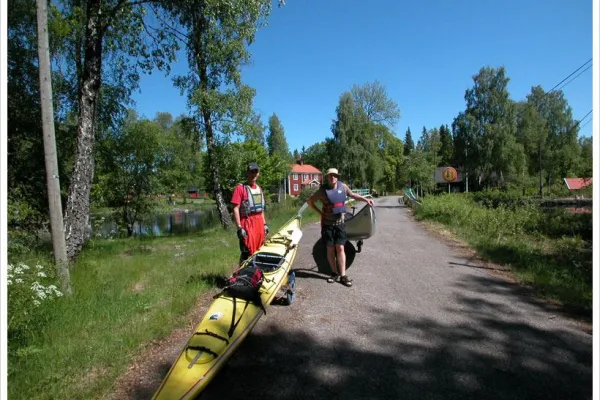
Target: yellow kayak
x,y
229,320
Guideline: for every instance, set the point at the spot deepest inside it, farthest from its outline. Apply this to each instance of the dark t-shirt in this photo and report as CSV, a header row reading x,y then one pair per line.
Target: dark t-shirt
x,y
329,218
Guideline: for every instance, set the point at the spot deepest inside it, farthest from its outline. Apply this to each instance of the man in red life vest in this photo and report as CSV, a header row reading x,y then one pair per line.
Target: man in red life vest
x,y
248,201
332,196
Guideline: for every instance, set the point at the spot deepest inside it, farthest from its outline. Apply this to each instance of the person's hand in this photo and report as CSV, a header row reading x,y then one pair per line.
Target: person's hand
x,y
370,202
266,229
241,233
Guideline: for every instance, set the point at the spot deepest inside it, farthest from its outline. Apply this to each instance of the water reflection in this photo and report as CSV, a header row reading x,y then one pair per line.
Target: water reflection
x,y
173,223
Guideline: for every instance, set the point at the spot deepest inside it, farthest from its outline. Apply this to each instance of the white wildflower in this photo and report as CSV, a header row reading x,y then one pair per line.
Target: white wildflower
x,y
18,280
8,282
41,274
36,303
39,267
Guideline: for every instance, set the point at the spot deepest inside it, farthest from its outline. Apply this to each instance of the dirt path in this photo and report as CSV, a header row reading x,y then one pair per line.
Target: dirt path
x,y
423,320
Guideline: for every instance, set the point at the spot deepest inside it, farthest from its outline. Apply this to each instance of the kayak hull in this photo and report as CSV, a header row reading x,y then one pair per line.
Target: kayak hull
x,y
228,320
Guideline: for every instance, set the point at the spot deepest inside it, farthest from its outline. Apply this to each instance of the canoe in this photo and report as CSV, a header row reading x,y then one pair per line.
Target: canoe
x,y
229,320
362,224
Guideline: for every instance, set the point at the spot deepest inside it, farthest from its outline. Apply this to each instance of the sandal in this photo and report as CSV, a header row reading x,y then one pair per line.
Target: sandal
x,y
344,280
333,278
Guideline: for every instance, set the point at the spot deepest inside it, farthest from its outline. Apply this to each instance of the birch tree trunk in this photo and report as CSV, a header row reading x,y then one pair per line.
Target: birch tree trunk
x,y
77,213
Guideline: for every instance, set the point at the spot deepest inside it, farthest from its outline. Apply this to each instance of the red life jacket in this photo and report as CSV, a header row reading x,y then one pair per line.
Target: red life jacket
x,y
337,198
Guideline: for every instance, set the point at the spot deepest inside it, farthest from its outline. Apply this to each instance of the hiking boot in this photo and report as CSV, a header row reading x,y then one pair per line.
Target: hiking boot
x,y
333,278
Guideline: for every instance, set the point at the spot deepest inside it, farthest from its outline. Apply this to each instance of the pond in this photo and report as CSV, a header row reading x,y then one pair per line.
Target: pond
x,y
162,224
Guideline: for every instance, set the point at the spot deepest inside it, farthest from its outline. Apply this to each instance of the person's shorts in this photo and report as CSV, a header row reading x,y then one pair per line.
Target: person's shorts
x,y
334,235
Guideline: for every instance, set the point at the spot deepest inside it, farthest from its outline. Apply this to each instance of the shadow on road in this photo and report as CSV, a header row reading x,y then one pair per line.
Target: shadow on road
x,y
417,358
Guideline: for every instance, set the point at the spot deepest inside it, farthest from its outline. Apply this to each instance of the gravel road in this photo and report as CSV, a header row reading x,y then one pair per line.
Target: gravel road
x,y
420,322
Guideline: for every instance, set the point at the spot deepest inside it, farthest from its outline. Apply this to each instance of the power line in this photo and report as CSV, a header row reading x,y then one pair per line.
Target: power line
x,y
575,77
586,115
559,83
571,74
578,122
583,126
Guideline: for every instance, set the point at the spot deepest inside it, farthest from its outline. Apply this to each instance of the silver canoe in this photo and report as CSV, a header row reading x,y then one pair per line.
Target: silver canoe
x,y
361,224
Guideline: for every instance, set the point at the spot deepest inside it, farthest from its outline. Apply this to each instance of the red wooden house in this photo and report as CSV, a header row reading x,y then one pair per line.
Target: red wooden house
x,y
301,176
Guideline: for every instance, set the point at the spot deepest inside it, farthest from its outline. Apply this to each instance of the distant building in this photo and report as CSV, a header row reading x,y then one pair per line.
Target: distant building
x,y
577,183
193,193
197,193
302,176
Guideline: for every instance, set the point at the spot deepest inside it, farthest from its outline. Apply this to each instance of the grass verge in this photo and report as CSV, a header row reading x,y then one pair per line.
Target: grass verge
x,y
127,292
548,250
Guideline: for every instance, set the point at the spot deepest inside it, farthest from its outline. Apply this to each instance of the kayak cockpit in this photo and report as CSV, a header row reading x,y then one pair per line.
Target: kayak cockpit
x,y
267,262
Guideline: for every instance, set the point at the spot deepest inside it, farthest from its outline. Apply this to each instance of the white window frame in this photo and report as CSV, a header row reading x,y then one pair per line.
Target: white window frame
x,y
305,177
295,187
295,177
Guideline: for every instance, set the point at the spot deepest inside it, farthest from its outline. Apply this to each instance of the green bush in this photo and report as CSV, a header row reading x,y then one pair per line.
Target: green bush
x,y
28,289
550,249
495,198
305,194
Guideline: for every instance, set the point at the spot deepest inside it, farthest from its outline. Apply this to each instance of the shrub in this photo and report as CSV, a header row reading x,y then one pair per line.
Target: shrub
x,y
28,289
305,194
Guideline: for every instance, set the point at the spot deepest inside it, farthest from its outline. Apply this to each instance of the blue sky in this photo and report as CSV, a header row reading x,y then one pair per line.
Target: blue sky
x,y
424,52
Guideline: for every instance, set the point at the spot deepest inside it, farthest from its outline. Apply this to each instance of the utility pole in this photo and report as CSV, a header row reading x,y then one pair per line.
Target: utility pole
x,y
52,181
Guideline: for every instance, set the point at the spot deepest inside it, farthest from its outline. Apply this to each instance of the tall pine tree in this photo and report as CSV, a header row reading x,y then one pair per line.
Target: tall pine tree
x,y
447,148
409,145
276,141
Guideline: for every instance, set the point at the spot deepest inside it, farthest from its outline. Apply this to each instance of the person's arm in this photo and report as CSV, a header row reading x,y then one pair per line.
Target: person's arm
x,y
236,215
311,204
236,200
356,196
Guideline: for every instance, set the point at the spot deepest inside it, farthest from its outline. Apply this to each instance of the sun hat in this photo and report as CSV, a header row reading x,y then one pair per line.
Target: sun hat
x,y
332,171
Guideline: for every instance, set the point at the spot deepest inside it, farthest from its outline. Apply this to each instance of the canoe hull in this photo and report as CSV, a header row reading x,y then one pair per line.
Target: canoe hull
x,y
362,225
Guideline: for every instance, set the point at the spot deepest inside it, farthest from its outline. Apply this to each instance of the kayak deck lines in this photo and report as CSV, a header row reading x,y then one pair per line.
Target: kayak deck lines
x,y
229,320
207,332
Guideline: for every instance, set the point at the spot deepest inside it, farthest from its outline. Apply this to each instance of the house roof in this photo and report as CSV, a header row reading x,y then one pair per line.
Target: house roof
x,y
304,169
577,183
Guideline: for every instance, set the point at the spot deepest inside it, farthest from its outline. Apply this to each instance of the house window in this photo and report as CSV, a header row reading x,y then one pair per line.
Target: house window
x,y
295,177
305,177
314,176
295,187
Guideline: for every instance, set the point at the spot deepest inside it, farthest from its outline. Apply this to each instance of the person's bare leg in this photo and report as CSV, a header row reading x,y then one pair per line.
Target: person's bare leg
x,y
341,259
331,259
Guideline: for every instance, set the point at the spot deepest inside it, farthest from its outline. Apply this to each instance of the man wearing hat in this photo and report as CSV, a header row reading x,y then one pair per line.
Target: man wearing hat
x,y
248,201
332,196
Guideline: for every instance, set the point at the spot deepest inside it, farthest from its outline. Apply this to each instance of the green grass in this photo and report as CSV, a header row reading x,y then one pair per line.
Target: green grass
x,y
551,251
127,292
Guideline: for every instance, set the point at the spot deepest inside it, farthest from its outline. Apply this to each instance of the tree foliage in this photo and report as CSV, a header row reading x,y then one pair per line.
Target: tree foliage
x,y
276,141
130,169
216,35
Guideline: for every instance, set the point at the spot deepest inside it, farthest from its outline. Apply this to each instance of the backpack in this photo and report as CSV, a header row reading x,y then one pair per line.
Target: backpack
x,y
245,283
